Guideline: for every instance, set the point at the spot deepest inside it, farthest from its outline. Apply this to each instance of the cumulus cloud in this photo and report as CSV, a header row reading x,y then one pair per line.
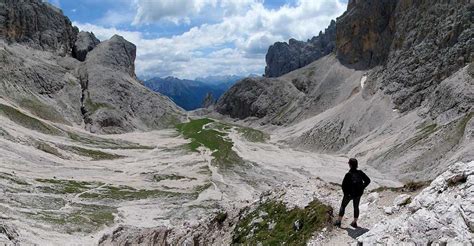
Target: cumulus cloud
x,y
235,44
177,11
174,10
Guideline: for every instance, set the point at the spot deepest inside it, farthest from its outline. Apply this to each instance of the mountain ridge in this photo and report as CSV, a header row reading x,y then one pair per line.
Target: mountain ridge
x,y
190,94
93,81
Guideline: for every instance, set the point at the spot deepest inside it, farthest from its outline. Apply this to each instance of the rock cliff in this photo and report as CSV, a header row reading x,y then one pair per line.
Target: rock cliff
x,y
36,24
365,32
284,57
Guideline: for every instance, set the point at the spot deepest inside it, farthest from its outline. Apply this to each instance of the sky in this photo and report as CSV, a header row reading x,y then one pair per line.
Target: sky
x,y
198,38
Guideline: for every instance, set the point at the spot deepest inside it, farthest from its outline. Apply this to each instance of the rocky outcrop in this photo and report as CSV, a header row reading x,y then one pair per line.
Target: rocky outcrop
x,y
86,41
284,57
113,100
127,236
36,24
442,213
115,54
257,97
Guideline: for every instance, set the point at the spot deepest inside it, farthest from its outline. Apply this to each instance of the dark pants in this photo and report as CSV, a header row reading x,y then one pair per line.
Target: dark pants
x,y
355,201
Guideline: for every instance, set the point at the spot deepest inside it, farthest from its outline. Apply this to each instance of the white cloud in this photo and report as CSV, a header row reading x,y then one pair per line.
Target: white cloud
x,y
236,44
115,18
149,11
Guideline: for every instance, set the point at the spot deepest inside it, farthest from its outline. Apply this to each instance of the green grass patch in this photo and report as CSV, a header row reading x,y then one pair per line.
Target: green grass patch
x,y
103,143
92,107
28,121
200,188
220,218
59,186
13,179
96,155
5,134
161,177
43,111
273,224
48,149
125,193
253,135
84,218
463,124
212,139
410,186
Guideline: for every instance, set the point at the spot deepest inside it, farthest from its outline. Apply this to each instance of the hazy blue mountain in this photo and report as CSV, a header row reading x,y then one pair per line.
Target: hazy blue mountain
x,y
219,80
190,94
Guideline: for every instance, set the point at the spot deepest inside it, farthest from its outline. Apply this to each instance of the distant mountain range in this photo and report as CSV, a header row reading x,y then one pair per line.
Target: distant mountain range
x,y
190,94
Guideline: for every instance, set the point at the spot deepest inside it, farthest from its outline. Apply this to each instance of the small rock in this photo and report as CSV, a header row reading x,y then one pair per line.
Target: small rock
x,y
297,225
271,226
402,200
388,210
373,197
256,221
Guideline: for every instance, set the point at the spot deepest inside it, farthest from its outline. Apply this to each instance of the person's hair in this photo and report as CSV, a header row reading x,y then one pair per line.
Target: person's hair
x,y
353,163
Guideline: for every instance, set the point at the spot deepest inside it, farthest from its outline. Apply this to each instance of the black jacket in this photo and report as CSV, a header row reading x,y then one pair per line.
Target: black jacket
x,y
348,186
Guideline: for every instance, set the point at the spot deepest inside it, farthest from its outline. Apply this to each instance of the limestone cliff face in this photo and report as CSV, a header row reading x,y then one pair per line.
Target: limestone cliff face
x,y
365,32
37,24
284,57
432,41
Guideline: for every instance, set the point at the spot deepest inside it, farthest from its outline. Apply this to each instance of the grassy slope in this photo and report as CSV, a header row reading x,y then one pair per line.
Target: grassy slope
x,y
273,224
212,139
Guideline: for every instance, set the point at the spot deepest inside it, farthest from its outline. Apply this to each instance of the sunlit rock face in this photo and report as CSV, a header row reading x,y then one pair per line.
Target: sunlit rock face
x,y
37,24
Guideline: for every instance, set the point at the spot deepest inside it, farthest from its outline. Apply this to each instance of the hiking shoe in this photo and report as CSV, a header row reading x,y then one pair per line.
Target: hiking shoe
x,y
354,224
337,223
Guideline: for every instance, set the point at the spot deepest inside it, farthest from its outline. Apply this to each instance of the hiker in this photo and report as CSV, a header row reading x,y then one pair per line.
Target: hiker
x,y
353,187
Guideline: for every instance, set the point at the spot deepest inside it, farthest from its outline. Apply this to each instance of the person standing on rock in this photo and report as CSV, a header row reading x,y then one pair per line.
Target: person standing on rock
x,y
353,187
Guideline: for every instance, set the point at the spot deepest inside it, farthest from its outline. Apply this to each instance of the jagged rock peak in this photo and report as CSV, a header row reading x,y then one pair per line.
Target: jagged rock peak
x,y
86,41
115,53
284,57
36,24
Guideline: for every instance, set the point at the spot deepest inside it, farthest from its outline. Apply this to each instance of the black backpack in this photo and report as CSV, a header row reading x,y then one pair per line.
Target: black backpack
x,y
357,183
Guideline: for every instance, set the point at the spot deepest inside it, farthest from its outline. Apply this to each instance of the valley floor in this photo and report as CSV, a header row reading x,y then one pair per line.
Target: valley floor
x,y
76,187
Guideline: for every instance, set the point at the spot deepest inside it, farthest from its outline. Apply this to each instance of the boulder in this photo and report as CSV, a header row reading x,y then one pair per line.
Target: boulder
x,y
388,210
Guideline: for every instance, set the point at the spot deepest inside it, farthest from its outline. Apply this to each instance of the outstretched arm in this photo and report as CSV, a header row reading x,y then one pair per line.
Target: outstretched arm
x,y
366,179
